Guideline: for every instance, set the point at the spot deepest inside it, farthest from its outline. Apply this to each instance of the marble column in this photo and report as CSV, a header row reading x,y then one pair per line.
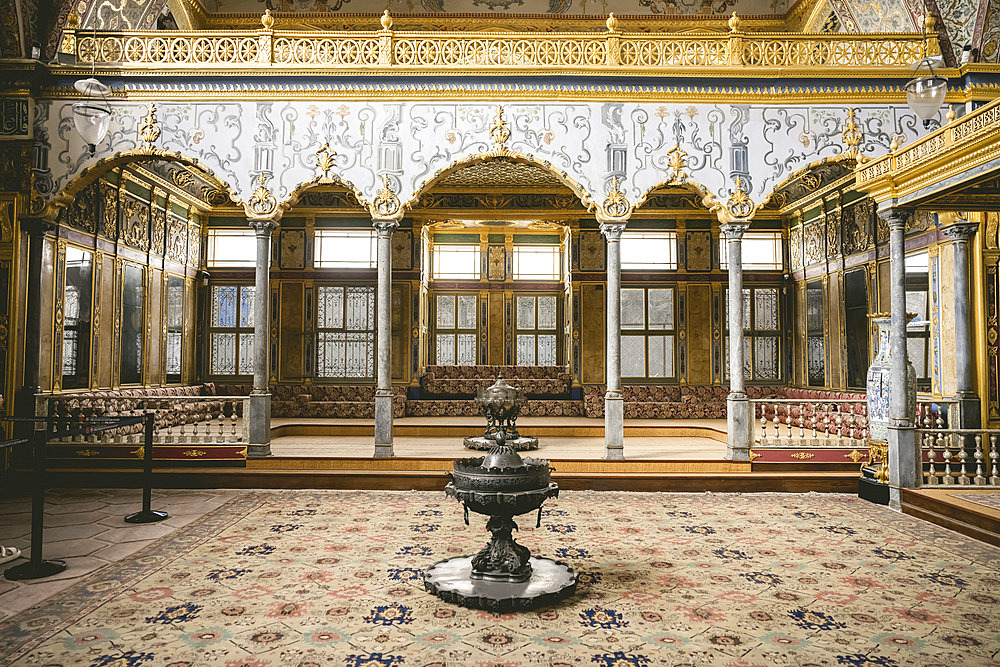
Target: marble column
x,y
739,421
383,342
614,412
258,406
904,463
961,233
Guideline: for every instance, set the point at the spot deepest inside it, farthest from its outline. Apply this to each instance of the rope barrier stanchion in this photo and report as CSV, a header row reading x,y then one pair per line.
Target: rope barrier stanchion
x,y
37,567
147,514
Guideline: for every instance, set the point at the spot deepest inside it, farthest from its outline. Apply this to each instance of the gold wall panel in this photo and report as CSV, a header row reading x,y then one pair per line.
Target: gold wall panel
x,y
699,334
291,349
698,245
592,334
47,314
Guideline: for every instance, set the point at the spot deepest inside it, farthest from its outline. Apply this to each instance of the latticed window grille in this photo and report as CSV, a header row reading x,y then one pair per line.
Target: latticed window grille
x,y
761,333
345,331
175,327
918,330
455,329
76,318
133,324
815,335
648,332
231,330
536,323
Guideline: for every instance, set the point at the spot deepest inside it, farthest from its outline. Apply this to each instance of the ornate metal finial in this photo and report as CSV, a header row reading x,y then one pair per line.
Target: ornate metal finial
x,y
386,203
267,20
615,205
894,144
324,158
262,203
500,133
930,23
612,22
73,20
951,115
735,22
386,20
150,130
677,159
739,204
851,135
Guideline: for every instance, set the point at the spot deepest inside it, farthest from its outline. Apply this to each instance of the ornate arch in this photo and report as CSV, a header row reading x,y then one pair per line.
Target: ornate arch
x,y
707,197
502,154
802,179
296,194
102,166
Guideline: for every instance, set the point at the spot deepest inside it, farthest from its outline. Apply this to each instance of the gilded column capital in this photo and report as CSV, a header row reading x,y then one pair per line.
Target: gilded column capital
x,y
262,204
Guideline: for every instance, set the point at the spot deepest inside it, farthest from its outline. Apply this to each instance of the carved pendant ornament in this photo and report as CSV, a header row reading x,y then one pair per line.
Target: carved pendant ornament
x,y
386,203
615,205
500,133
149,132
739,204
261,203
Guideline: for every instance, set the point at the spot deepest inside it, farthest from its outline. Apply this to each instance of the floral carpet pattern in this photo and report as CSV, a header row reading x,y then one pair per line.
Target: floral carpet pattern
x,y
986,499
309,578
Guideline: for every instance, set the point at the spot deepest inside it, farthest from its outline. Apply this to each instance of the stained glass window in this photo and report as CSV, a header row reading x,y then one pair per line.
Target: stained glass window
x,y
648,336
345,346
455,329
537,343
175,327
76,318
761,333
231,323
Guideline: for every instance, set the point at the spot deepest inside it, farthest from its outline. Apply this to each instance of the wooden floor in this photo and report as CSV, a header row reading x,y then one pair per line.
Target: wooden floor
x,y
939,505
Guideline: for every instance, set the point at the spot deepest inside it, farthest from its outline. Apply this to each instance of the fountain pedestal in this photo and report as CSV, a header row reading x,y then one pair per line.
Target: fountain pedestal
x,y
503,576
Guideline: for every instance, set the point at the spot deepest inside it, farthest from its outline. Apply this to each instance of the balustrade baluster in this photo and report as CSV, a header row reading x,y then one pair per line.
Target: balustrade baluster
x,y
826,423
763,421
947,479
233,420
979,480
994,473
802,424
812,418
776,421
221,418
963,476
928,445
839,423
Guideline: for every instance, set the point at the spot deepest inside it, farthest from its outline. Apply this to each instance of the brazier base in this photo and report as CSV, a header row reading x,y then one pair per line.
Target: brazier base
x,y
521,444
452,581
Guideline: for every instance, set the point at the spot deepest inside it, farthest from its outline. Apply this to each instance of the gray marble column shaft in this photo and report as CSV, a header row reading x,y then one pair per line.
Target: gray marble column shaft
x,y
961,234
739,422
904,461
383,341
257,410
614,417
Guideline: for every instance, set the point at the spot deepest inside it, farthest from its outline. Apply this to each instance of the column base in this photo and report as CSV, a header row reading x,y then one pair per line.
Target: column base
x,y
614,426
739,427
383,423
968,412
257,425
905,467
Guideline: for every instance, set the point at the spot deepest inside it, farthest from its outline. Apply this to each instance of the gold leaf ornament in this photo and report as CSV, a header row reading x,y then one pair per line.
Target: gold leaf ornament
x,y
739,204
325,159
677,159
150,130
851,135
386,203
500,133
262,203
615,205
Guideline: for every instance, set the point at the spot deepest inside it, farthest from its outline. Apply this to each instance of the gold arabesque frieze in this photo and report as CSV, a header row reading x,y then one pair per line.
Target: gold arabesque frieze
x,y
434,52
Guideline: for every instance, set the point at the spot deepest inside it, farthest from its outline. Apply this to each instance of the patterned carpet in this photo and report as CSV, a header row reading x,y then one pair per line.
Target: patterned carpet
x,y
987,499
333,578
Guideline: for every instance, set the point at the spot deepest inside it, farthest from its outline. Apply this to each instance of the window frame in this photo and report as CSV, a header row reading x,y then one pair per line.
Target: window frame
x,y
473,249
143,305
919,281
536,249
173,378
646,332
456,330
83,380
643,235
336,232
777,239
751,332
239,330
370,332
213,233
815,333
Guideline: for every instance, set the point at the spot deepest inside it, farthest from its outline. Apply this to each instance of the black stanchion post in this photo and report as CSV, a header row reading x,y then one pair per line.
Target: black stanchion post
x,y
36,567
147,514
